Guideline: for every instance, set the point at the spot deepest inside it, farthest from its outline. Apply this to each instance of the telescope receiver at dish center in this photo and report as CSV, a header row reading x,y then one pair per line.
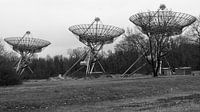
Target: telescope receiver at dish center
x,y
94,36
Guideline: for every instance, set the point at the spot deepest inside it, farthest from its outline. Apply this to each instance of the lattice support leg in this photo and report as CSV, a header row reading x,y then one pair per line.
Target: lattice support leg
x,y
83,55
93,64
101,67
88,64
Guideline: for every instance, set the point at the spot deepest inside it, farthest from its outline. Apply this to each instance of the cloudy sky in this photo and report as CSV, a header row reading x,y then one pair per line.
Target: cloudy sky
x,y
50,19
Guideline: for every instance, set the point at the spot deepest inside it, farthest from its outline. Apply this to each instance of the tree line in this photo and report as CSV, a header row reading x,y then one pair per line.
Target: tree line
x,y
183,52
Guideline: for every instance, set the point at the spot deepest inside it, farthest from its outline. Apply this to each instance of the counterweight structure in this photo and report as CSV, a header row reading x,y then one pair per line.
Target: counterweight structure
x,y
26,46
159,26
94,36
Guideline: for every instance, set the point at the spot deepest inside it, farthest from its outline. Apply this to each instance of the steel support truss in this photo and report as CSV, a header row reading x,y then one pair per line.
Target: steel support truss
x,y
23,63
90,59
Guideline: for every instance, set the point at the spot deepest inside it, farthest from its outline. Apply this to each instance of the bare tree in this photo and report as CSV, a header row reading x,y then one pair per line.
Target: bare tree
x,y
132,41
153,48
194,31
77,53
2,49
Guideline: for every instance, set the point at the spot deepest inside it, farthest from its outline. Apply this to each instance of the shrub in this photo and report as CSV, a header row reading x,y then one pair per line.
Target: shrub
x,y
8,76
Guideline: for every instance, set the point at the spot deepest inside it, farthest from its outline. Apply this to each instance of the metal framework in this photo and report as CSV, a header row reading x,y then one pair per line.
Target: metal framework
x,y
159,26
26,46
94,35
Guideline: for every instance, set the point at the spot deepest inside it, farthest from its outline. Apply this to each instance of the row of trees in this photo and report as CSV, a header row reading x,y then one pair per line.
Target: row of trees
x,y
184,52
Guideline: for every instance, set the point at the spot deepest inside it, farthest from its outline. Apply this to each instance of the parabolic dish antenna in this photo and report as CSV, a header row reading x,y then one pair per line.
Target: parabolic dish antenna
x,y
162,22
26,46
94,35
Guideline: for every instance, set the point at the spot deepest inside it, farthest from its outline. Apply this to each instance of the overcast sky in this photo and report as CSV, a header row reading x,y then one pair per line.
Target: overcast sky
x,y
50,19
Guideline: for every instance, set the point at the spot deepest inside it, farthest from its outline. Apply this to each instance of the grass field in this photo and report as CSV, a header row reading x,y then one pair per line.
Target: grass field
x,y
146,94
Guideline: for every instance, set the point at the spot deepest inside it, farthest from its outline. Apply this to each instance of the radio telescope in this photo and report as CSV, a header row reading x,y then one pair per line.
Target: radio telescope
x,y
159,26
94,36
26,46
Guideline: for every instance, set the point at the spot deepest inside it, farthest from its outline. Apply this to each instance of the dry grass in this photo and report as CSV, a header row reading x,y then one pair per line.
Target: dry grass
x,y
164,94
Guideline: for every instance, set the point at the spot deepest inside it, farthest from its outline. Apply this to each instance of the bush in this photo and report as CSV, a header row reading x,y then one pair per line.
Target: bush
x,y
8,76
